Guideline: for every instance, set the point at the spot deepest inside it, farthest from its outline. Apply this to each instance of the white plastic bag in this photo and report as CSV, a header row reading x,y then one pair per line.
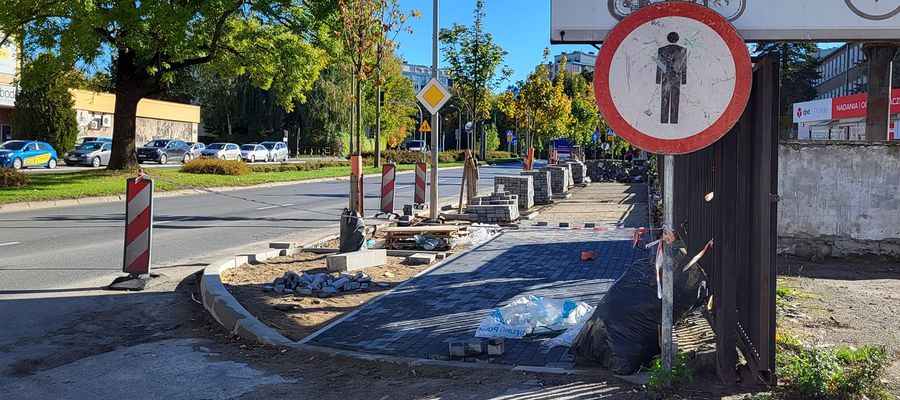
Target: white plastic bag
x,y
533,315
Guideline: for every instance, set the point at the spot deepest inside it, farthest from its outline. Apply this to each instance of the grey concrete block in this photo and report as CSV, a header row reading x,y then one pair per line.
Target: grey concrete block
x,y
420,258
282,245
457,348
356,260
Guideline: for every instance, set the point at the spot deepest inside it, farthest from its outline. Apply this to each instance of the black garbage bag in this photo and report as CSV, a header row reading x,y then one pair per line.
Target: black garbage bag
x,y
621,334
353,232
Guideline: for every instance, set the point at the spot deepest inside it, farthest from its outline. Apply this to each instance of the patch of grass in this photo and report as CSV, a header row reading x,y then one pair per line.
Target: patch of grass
x,y
832,373
90,183
677,377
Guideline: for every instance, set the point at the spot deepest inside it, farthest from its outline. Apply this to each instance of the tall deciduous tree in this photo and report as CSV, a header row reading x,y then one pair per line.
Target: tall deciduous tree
x,y
150,41
44,105
475,62
798,65
368,29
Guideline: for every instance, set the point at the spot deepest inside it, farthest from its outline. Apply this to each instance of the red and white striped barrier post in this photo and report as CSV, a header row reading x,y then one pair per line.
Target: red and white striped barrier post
x,y
420,183
138,225
388,181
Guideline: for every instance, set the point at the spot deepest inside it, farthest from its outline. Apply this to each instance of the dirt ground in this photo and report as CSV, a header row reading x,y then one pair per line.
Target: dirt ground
x,y
309,312
845,302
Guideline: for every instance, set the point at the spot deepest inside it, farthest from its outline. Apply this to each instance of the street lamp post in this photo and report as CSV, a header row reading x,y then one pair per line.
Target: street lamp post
x,y
435,121
459,127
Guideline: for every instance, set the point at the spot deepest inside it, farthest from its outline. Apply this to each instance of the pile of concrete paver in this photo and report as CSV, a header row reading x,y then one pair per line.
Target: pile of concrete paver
x,y
322,284
498,207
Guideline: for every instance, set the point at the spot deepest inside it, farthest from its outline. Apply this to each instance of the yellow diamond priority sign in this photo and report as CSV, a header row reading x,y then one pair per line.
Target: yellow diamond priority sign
x,y
433,96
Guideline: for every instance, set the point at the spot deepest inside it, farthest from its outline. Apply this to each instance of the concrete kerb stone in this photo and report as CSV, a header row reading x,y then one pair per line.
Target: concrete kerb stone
x,y
38,205
236,319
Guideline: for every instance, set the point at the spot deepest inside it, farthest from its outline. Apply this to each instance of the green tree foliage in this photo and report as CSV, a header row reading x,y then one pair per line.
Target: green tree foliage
x,y
798,65
585,115
44,105
149,42
474,62
492,138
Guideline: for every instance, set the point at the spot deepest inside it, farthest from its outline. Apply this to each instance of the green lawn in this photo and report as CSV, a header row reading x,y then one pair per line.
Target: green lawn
x,y
91,183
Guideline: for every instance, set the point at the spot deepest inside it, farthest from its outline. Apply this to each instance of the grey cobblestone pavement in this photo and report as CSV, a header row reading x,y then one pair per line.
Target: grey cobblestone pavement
x,y
448,302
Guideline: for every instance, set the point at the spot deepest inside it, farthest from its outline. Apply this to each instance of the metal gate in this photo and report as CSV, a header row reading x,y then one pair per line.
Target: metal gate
x,y
727,192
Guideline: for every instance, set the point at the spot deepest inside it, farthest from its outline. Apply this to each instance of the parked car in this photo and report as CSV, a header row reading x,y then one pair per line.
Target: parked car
x,y
416,145
85,139
222,151
94,154
253,152
27,153
196,148
277,150
162,150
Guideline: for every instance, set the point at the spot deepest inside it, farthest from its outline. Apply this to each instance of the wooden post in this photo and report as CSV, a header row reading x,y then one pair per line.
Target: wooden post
x,y
878,107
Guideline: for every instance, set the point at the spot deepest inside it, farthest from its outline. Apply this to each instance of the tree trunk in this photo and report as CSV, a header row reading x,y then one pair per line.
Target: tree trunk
x,y
131,84
358,118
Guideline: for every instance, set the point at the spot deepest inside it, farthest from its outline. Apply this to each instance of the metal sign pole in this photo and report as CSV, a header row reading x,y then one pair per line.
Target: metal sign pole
x,y
435,123
667,277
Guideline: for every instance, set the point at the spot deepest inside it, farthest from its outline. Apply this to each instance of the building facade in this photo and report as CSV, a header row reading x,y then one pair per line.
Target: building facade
x,y
8,68
842,71
419,75
577,62
155,119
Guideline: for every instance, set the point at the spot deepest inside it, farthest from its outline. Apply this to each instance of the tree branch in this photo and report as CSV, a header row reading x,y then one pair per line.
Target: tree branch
x,y
213,45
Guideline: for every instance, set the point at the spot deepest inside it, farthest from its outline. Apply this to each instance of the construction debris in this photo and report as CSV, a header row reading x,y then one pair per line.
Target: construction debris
x,y
322,284
405,237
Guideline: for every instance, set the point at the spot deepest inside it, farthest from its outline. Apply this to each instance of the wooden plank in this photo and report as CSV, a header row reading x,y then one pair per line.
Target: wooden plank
x,y
418,229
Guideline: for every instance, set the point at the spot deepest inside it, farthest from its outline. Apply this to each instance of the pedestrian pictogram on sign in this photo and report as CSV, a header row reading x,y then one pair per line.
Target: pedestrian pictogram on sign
x,y
433,96
673,77
425,128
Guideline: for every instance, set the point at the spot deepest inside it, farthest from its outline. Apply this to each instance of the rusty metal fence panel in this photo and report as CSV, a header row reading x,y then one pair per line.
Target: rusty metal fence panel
x,y
727,192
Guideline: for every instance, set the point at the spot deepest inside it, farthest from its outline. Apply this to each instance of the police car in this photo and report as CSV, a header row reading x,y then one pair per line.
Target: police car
x,y
27,153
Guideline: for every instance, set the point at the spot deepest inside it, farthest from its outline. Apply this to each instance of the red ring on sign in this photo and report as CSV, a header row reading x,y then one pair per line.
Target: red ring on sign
x,y
706,137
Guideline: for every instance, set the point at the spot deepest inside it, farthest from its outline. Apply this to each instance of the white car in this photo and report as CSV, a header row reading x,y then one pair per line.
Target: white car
x,y
222,151
278,151
254,152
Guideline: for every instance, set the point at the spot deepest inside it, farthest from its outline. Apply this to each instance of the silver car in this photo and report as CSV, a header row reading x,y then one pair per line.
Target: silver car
x,y
94,154
254,152
195,149
222,151
278,151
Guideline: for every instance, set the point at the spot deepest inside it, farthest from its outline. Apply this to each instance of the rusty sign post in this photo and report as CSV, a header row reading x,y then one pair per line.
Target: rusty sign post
x,y
672,78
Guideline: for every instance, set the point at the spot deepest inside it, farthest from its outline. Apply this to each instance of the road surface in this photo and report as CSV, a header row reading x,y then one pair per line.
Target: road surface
x,y
81,246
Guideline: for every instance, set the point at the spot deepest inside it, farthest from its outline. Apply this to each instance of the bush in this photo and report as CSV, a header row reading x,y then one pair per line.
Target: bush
x,y
10,178
307,166
498,154
678,376
833,373
216,167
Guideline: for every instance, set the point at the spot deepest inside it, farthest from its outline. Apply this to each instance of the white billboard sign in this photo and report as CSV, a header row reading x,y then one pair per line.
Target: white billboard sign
x,y
7,95
8,58
589,21
816,110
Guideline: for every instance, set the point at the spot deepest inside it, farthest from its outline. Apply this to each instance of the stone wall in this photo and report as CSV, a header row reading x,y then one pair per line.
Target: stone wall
x,y
146,129
839,199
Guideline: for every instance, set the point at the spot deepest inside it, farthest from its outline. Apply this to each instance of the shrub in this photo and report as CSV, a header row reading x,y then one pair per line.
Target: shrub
x,y
678,376
10,178
44,106
833,373
498,154
216,167
307,166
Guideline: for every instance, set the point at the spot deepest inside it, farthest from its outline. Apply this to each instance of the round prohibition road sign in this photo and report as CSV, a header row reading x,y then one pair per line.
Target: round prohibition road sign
x,y
673,77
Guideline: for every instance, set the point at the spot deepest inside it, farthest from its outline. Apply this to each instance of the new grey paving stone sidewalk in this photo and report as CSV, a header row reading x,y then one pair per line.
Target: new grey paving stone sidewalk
x,y
450,301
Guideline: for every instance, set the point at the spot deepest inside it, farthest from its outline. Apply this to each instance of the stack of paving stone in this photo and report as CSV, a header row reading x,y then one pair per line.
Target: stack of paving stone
x,y
322,284
498,207
559,180
521,186
579,171
541,184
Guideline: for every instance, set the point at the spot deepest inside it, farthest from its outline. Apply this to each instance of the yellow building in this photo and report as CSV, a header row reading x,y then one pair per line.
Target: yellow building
x,y
155,119
94,111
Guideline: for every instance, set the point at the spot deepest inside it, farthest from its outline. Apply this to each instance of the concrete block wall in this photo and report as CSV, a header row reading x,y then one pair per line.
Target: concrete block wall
x,y
839,199
521,186
559,179
541,185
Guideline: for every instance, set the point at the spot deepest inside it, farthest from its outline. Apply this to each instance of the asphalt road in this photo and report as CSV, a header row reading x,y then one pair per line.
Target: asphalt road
x,y
173,164
80,247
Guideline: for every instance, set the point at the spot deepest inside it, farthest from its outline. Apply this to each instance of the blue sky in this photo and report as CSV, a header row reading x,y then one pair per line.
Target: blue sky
x,y
521,27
